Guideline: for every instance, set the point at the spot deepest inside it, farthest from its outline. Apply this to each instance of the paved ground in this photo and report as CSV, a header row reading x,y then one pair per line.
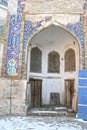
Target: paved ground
x,y
42,123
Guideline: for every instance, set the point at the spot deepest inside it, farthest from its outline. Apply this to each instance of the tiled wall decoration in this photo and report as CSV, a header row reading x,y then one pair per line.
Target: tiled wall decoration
x,y
29,31
14,41
13,44
2,33
20,7
77,29
4,2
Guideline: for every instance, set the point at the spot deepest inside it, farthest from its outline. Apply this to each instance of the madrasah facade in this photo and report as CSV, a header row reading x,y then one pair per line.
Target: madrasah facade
x,y
43,55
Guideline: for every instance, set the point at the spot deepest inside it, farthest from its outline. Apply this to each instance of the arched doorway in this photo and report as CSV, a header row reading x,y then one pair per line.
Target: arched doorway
x,y
50,47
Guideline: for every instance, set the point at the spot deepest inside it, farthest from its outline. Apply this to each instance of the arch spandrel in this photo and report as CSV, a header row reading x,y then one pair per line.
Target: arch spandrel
x,y
31,31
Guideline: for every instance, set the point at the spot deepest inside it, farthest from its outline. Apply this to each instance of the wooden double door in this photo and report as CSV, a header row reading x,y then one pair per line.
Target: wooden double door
x,y
36,92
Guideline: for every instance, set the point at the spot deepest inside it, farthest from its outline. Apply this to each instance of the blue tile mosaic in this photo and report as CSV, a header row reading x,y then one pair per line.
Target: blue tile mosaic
x,y
14,41
13,44
29,31
4,2
77,29
20,7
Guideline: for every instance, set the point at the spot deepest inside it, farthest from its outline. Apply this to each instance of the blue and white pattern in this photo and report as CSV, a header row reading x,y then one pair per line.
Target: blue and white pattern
x,y
14,41
13,44
30,30
77,29
4,2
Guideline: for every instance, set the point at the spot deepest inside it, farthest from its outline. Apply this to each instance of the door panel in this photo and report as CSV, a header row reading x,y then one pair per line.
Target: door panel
x,y
36,88
69,92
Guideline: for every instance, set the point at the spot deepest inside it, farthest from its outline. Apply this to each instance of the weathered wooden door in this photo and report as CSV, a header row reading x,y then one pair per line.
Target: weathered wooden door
x,y
36,92
69,92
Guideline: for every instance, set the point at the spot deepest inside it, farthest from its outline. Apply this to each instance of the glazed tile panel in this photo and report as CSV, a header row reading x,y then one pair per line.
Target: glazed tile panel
x,y
77,29
13,44
4,2
14,41
30,30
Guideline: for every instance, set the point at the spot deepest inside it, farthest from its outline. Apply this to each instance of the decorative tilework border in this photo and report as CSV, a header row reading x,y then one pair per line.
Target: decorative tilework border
x,y
14,41
13,44
77,29
30,30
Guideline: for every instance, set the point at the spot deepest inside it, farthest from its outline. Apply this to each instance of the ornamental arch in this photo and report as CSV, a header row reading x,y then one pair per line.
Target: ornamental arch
x,y
42,29
58,39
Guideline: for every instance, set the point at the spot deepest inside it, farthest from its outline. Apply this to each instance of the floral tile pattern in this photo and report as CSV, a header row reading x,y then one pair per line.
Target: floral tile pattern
x,y
14,41
29,30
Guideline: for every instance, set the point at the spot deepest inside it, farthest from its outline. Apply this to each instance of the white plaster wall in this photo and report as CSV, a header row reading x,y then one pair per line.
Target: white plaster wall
x,y
54,38
49,86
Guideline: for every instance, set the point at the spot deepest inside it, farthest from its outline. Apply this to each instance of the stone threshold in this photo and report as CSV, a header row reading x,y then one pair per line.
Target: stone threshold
x,y
60,111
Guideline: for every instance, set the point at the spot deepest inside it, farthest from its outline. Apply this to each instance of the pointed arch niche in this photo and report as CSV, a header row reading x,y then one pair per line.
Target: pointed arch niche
x,y
52,27
70,61
45,59
35,60
53,62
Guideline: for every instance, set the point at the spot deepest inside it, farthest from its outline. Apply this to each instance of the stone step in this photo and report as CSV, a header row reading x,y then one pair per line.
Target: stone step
x,y
47,113
57,111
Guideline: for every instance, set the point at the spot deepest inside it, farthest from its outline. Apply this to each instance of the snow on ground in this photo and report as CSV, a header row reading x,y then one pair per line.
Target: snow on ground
x,y
41,123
